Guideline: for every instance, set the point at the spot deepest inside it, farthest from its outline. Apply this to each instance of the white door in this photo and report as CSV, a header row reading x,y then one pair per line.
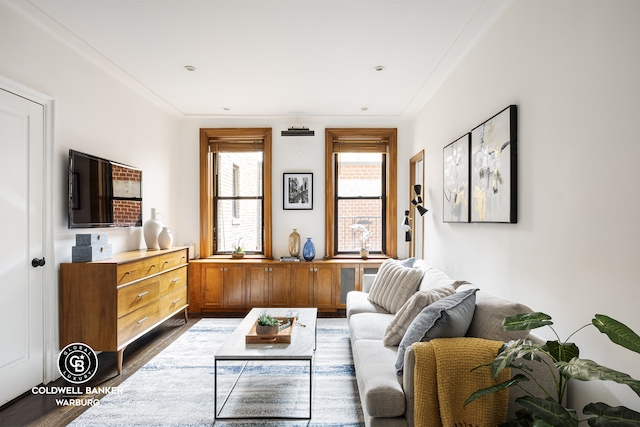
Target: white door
x,y
21,228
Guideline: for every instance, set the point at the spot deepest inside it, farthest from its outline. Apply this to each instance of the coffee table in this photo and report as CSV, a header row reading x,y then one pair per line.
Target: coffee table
x,y
302,347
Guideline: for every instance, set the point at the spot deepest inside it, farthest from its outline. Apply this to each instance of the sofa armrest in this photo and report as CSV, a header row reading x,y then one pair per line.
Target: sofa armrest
x,y
367,281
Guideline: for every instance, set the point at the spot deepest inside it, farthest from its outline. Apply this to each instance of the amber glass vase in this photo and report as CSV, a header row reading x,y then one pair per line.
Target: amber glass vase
x,y
294,243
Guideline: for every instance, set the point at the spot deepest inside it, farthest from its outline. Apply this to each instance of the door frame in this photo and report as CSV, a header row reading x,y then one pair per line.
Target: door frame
x,y
49,276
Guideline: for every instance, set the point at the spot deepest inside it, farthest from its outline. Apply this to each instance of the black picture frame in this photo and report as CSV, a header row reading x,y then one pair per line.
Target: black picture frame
x,y
494,169
297,191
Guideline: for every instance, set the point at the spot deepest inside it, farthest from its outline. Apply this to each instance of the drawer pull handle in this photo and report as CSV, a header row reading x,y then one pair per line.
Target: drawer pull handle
x,y
165,263
128,272
142,294
175,280
142,320
175,302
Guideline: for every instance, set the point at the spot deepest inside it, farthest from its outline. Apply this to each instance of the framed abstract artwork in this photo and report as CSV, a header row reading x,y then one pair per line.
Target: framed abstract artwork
x,y
456,180
298,191
494,169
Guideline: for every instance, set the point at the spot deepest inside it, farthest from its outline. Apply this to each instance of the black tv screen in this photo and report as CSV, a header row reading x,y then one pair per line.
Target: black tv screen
x,y
103,193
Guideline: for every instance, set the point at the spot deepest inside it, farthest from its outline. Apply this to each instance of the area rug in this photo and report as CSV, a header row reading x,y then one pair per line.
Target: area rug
x,y
176,387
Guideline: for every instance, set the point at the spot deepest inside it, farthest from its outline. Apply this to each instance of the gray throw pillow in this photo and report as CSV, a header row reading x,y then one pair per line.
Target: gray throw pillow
x,y
403,318
445,318
393,285
489,314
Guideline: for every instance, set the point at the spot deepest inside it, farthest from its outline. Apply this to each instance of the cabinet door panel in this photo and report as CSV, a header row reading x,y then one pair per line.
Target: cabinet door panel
x,y
233,287
213,276
302,286
257,286
279,286
324,287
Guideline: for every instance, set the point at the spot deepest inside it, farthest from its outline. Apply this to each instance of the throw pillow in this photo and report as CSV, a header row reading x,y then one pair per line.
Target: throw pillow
x,y
403,318
445,318
489,314
393,285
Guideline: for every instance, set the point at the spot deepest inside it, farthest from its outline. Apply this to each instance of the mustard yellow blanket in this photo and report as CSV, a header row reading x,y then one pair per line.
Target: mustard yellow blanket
x,y
443,381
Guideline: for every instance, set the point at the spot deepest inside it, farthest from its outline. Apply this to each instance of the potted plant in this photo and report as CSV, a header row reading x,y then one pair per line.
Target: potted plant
x,y
267,325
238,252
364,237
565,357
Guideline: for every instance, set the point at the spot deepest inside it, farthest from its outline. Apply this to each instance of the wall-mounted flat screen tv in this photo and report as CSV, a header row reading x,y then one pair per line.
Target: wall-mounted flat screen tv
x,y
103,193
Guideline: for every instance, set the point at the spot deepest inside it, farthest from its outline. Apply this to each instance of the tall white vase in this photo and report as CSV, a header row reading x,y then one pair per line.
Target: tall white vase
x,y
151,230
165,239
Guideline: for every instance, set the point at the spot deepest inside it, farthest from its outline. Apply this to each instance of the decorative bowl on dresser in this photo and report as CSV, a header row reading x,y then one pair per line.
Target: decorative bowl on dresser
x,y
109,304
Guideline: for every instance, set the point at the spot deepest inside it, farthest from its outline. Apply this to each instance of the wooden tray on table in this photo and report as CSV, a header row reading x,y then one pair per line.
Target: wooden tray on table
x,y
283,336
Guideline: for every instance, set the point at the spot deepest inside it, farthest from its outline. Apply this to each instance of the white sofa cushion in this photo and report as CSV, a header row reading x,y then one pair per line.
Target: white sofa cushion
x,y
394,284
381,393
403,318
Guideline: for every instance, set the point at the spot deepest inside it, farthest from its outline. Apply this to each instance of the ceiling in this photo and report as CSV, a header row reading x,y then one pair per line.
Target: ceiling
x,y
274,57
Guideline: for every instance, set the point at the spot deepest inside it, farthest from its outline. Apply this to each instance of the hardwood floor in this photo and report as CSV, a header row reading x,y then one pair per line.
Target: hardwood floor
x,y
41,409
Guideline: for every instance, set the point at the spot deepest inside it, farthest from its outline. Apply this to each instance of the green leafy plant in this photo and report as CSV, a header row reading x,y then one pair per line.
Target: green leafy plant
x,y
564,356
237,247
267,320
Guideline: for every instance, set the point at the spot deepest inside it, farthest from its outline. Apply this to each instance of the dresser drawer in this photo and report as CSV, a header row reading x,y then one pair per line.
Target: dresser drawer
x,y
172,260
130,271
172,302
137,322
134,296
173,280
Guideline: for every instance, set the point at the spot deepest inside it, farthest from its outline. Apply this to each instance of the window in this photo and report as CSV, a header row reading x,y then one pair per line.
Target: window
x,y
359,199
360,190
235,191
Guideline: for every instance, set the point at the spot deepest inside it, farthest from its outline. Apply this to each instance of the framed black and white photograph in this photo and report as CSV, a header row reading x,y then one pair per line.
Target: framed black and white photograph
x,y
455,180
494,169
298,191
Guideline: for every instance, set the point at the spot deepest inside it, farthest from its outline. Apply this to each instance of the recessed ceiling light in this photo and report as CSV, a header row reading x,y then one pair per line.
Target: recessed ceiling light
x,y
226,108
364,108
378,68
189,68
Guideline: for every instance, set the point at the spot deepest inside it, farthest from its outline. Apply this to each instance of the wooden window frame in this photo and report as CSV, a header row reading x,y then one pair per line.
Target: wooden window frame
x,y
362,140
237,138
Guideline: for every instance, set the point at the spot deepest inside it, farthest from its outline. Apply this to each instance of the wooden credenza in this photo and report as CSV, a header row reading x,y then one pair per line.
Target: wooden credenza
x,y
109,304
238,285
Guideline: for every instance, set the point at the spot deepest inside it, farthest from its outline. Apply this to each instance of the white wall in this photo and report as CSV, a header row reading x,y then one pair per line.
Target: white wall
x,y
95,113
290,154
573,69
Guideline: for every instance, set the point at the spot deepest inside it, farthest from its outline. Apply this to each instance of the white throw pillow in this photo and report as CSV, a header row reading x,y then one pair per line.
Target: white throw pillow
x,y
403,318
393,285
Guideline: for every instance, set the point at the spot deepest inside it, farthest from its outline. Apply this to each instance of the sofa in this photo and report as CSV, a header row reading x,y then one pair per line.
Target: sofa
x,y
382,321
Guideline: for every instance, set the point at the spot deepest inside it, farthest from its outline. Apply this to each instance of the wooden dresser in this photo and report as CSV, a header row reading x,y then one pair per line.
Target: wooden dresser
x,y
109,304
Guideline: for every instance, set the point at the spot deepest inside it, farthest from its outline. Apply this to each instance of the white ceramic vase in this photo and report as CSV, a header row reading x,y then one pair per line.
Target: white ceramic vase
x,y
151,230
165,238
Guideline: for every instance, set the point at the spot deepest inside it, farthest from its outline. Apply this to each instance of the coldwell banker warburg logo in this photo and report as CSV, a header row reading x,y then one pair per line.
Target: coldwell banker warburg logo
x,y
77,363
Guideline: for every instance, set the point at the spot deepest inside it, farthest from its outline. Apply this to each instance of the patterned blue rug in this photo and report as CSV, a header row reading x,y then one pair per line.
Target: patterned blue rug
x,y
176,387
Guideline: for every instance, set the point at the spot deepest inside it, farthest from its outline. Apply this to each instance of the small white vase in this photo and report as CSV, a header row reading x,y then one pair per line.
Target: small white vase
x,y
165,238
151,230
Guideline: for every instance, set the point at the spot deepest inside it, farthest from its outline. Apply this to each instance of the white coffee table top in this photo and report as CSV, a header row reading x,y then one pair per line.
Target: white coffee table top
x,y
303,338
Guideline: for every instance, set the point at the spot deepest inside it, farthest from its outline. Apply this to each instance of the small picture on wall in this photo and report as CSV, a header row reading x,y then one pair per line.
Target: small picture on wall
x,y
298,191
494,169
456,180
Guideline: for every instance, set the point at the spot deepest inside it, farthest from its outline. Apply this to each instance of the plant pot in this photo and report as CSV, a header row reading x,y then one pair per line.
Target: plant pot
x,y
267,330
364,253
